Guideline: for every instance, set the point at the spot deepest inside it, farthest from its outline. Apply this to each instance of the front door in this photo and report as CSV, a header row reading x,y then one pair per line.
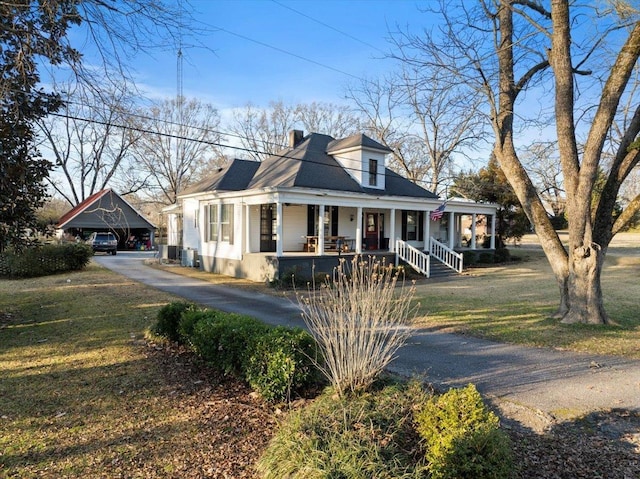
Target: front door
x,y
371,231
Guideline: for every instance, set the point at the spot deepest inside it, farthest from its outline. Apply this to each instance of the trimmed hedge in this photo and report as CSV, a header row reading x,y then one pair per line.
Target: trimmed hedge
x,y
43,260
282,361
223,339
169,318
276,362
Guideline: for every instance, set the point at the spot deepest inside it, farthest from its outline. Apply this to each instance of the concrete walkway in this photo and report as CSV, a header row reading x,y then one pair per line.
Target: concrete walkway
x,y
531,385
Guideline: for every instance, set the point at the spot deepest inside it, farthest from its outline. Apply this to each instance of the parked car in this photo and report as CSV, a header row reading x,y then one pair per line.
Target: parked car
x,y
106,242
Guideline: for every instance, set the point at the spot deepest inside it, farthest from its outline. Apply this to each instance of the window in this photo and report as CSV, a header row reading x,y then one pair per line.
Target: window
x,y
226,224
196,215
330,220
211,219
268,223
373,172
412,225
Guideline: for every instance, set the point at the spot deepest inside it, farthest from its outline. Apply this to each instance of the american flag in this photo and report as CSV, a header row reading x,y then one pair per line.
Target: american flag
x,y
438,212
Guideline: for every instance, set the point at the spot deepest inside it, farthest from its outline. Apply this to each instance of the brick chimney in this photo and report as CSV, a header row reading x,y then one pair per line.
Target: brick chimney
x,y
295,137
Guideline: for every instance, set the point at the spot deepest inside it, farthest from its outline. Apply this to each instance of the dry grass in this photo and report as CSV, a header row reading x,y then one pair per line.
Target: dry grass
x,y
513,303
208,277
82,394
359,320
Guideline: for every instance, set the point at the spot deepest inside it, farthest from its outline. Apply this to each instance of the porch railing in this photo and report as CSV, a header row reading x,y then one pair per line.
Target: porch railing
x,y
417,259
446,255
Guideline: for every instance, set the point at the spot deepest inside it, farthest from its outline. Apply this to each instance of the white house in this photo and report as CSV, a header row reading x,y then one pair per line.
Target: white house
x,y
318,199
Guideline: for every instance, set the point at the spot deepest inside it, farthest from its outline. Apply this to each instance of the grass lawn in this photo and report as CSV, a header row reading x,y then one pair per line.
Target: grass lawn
x,y
513,303
82,395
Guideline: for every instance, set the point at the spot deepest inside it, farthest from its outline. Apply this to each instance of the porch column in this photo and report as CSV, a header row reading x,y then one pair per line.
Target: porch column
x,y
426,224
452,229
247,228
473,231
359,230
493,232
392,231
321,230
279,237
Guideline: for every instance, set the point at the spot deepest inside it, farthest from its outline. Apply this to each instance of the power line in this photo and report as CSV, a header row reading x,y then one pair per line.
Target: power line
x,y
330,27
163,121
286,52
206,142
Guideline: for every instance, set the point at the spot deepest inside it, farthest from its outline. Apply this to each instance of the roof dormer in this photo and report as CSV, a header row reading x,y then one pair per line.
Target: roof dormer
x,y
363,158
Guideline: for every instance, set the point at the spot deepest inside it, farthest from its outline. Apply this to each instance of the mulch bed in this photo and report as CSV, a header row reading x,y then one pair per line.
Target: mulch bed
x,y
232,427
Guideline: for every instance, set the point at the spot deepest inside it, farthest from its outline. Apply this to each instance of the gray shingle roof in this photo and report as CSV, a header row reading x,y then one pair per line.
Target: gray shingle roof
x,y
354,141
233,177
308,165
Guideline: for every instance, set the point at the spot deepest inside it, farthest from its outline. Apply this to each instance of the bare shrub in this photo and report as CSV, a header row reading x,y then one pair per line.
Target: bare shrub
x,y
360,318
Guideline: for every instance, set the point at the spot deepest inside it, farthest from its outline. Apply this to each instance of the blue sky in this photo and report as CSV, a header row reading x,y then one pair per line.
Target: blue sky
x,y
255,50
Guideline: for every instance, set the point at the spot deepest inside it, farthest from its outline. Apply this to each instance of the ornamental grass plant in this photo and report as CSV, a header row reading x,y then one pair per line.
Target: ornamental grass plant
x,y
359,317
357,436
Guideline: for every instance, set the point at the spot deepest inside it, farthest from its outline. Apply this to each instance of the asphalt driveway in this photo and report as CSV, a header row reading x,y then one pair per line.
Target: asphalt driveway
x,y
539,383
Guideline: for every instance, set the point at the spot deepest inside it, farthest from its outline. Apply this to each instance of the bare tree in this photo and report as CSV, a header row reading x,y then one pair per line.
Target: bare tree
x,y
264,132
330,119
90,141
508,47
35,41
542,162
386,118
181,140
424,117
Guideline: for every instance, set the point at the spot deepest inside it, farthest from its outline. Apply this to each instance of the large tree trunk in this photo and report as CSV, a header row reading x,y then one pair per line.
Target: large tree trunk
x,y
578,271
583,291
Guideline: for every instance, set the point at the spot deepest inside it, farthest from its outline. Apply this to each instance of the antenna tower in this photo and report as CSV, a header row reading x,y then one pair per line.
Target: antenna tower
x,y
179,94
179,60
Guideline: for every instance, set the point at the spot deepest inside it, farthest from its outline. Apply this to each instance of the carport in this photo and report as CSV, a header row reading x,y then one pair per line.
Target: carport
x,y
108,211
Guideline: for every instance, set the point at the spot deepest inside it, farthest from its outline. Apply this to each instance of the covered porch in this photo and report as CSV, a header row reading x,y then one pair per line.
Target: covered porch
x,y
318,229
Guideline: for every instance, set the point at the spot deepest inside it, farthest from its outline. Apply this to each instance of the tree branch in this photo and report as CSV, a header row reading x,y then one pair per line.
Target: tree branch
x,y
626,216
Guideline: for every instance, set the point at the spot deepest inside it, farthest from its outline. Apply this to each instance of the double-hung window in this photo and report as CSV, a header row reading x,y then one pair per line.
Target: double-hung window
x,y
412,225
219,223
226,224
211,219
373,172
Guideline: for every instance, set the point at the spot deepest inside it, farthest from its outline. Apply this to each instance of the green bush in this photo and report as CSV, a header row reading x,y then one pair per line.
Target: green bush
x,y
168,319
188,320
463,438
223,339
43,260
358,436
502,255
281,362
469,258
486,258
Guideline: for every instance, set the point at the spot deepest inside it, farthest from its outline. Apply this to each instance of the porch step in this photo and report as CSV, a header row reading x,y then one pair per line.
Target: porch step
x,y
440,270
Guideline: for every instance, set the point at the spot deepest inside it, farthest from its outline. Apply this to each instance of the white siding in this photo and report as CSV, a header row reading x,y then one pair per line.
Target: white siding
x,y
254,228
356,163
191,234
294,226
346,227
223,249
352,162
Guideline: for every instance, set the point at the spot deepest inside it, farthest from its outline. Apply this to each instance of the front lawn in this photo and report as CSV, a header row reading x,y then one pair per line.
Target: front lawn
x,y
82,394
513,303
